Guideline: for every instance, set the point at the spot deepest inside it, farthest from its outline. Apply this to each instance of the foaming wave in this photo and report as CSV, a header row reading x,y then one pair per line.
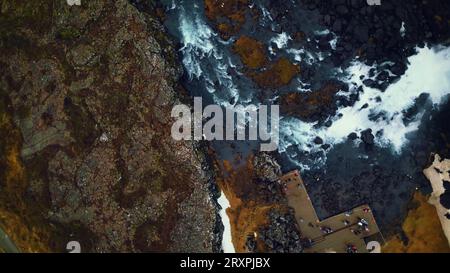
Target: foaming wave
x,y
197,44
203,57
383,112
280,40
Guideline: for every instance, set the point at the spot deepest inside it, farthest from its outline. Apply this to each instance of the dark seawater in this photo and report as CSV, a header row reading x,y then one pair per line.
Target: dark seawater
x,y
383,174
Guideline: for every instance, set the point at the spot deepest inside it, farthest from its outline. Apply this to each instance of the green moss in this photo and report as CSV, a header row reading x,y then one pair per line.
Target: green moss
x,y
36,14
68,33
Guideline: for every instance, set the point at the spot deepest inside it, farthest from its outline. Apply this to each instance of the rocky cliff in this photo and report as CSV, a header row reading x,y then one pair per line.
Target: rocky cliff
x,y
85,148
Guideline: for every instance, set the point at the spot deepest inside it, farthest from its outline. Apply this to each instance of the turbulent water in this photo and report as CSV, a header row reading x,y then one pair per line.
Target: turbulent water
x,y
383,112
401,116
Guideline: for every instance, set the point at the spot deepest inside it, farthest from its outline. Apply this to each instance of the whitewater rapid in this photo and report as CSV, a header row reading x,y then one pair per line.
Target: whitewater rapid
x,y
207,60
428,72
204,56
216,74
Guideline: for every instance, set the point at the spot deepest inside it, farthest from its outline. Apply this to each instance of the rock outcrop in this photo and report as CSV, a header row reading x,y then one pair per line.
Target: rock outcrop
x,y
87,92
261,220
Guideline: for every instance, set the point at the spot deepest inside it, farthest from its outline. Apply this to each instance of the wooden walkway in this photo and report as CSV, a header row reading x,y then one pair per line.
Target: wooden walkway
x,y
335,234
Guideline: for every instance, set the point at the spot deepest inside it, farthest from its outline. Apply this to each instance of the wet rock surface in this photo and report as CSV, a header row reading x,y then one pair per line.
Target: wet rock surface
x,y
90,89
282,235
336,33
228,15
379,33
359,172
260,219
312,106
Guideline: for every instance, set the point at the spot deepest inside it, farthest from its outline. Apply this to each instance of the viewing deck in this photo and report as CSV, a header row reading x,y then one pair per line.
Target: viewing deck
x,y
346,232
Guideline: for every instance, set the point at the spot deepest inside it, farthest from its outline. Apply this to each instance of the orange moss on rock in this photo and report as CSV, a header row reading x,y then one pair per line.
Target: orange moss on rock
x,y
17,218
229,12
299,36
308,105
423,229
253,55
231,9
251,52
248,212
225,30
277,75
228,17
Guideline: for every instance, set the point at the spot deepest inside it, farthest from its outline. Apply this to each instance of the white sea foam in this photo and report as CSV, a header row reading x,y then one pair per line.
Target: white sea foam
x,y
196,38
333,43
322,32
301,54
202,57
403,29
281,40
428,72
266,14
297,53
173,5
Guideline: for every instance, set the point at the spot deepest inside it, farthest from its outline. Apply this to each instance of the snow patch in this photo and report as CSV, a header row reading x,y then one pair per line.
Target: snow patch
x,y
227,242
74,2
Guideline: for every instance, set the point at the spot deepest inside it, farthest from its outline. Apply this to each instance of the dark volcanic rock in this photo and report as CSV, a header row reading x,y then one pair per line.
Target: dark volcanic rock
x,y
318,141
367,137
251,243
445,199
373,32
353,136
281,235
312,106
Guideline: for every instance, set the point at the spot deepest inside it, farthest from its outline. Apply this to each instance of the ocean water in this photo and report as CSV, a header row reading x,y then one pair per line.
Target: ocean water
x,y
397,116
428,73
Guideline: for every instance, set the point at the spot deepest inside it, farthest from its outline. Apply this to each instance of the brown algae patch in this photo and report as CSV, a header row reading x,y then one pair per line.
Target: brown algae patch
x,y
251,52
422,229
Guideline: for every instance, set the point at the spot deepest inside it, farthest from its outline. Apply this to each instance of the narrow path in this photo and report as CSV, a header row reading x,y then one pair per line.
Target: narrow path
x,y
6,245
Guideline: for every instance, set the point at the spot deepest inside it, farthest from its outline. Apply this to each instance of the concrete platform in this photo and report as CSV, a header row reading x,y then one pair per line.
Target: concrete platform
x,y
339,233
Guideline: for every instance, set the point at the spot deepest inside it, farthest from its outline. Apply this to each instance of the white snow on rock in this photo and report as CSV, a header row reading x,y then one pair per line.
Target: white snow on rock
x,y
227,242
104,137
74,2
